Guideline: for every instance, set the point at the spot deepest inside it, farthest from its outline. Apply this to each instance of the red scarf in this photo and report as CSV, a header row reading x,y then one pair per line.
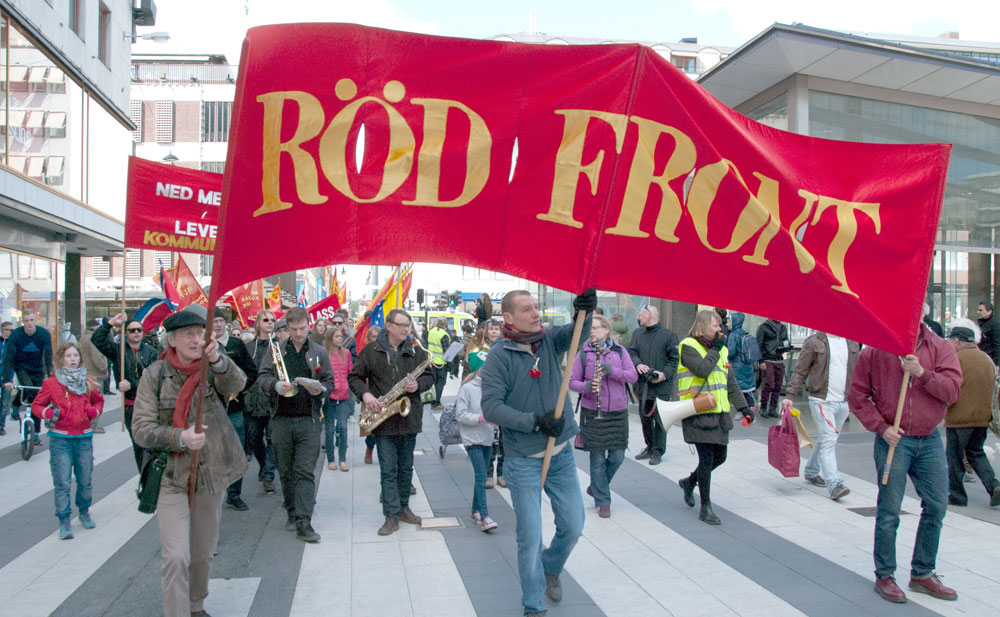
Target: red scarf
x,y
186,395
526,338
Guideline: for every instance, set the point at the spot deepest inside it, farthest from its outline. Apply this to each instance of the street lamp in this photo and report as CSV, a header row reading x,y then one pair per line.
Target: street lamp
x,y
159,37
170,158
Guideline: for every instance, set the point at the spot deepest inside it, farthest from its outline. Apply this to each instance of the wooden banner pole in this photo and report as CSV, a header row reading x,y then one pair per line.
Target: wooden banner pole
x,y
581,316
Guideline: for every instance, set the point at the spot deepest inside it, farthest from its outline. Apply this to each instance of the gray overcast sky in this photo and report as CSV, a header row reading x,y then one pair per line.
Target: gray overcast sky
x,y
218,26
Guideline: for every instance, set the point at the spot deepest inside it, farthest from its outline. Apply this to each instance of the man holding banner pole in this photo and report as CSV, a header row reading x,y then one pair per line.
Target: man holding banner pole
x,y
913,445
521,382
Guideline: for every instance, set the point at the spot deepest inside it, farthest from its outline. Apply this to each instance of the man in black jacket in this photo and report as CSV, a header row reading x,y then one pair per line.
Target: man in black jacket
x,y
237,352
772,338
138,356
990,341
380,366
296,425
654,352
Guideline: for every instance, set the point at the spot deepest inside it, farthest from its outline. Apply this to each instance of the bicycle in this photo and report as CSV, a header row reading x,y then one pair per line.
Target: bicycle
x,y
27,428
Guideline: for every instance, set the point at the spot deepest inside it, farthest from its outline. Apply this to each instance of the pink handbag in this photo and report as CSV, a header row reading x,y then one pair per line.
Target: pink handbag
x,y
783,447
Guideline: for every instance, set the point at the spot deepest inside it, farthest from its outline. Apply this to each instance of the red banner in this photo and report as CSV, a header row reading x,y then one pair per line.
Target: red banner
x,y
249,300
629,177
274,298
324,309
171,208
189,290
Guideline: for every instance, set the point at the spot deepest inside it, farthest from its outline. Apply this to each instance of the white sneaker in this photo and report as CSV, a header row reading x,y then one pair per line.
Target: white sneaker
x,y
488,524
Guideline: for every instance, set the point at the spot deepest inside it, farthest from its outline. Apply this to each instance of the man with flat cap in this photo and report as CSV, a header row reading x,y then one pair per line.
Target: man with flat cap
x,y
967,419
163,420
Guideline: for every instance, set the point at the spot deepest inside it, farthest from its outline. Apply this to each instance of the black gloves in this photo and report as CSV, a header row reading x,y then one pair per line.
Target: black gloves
x,y
606,369
587,301
719,342
548,424
748,414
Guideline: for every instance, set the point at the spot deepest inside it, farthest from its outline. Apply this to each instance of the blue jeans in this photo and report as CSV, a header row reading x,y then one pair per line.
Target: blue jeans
x,y
480,457
829,417
68,456
5,397
395,462
524,479
236,488
335,414
923,460
603,465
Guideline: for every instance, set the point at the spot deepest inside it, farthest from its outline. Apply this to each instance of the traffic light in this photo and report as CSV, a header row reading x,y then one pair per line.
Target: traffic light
x,y
456,298
443,298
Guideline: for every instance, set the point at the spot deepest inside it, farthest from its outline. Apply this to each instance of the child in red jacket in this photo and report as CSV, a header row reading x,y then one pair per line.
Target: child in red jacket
x,y
73,400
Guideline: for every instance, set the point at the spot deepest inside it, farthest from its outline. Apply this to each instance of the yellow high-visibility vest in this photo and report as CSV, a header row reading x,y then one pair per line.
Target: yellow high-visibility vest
x,y
434,338
688,384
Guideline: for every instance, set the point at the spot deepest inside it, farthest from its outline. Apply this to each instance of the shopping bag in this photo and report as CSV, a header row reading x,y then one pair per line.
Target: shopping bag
x,y
783,446
800,429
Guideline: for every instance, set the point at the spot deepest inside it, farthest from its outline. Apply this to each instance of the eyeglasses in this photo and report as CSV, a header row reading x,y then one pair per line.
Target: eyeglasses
x,y
131,330
336,323
401,325
267,319
597,327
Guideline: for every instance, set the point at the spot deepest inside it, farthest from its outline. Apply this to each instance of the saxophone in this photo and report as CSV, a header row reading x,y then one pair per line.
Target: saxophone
x,y
393,402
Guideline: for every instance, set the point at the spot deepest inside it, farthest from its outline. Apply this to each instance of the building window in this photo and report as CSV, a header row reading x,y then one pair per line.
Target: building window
x,y
133,264
164,122
104,34
164,259
216,167
135,115
75,16
688,64
215,120
100,267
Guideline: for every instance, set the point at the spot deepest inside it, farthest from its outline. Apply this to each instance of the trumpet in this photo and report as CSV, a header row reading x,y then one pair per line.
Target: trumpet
x,y
279,366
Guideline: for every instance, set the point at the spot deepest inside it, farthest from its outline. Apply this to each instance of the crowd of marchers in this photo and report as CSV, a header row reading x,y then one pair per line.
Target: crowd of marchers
x,y
285,390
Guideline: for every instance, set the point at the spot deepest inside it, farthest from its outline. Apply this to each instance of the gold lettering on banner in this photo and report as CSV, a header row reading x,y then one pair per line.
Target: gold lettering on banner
x,y
847,231
398,162
477,154
569,161
311,118
641,177
759,213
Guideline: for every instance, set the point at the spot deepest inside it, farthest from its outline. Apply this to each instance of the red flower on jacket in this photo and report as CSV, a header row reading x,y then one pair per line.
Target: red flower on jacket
x,y
535,371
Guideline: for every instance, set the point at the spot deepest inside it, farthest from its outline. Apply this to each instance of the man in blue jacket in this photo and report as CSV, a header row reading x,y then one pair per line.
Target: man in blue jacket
x,y
27,354
521,380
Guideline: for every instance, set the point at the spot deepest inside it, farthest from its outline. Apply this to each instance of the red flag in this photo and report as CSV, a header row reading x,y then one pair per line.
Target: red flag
x,y
324,309
838,234
274,298
189,290
248,299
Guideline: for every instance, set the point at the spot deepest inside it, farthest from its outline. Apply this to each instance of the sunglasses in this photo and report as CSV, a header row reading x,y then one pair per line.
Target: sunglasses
x,y
336,323
131,330
266,319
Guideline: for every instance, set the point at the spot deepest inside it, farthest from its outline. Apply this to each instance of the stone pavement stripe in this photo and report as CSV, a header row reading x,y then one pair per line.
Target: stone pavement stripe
x,y
29,513
814,522
38,581
806,581
231,597
31,478
408,573
487,563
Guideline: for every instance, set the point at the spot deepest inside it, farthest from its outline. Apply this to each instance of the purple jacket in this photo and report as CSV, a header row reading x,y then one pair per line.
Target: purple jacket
x,y
613,396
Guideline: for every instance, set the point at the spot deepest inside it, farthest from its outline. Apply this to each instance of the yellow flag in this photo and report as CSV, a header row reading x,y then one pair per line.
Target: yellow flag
x,y
274,298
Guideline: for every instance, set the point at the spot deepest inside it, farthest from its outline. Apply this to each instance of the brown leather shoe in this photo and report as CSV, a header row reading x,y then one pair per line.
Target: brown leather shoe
x,y
932,586
368,456
407,516
389,527
888,589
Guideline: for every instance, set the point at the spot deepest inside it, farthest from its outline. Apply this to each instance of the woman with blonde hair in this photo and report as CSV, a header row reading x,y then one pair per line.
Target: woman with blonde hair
x,y
704,368
70,400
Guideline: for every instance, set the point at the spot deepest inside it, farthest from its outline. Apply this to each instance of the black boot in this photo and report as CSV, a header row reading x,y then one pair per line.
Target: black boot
x,y
707,514
687,485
